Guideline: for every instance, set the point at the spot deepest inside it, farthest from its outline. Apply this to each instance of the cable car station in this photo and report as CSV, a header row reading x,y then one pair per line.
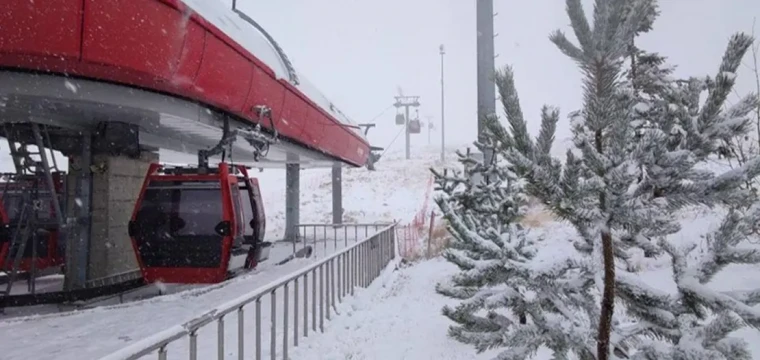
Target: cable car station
x,y
116,218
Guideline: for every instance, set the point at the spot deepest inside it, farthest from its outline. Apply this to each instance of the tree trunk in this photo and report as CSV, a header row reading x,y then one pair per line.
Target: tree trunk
x,y
608,298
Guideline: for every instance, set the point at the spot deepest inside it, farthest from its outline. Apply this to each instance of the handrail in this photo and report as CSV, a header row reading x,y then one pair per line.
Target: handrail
x,y
336,230
345,224
356,265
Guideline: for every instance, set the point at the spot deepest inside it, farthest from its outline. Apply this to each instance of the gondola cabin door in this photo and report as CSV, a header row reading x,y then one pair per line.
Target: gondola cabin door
x,y
255,219
184,225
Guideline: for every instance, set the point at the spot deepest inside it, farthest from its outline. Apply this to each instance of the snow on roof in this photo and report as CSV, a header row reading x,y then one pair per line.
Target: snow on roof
x,y
250,38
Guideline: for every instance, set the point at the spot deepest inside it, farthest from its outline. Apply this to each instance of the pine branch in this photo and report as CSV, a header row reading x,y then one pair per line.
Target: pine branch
x,y
725,79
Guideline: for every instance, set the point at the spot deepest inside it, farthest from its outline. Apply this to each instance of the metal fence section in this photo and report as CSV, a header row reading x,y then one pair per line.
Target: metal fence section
x,y
327,238
267,322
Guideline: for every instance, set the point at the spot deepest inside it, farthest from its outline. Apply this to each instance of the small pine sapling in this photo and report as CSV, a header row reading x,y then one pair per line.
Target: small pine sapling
x,y
510,299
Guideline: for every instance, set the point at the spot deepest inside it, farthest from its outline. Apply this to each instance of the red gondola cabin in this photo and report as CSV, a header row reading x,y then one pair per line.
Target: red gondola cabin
x,y
188,223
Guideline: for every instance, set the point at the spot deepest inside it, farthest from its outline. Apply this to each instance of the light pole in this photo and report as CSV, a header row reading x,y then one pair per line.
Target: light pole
x,y
443,116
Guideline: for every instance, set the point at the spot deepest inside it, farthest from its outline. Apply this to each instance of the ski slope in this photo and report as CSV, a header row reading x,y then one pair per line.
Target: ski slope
x,y
394,192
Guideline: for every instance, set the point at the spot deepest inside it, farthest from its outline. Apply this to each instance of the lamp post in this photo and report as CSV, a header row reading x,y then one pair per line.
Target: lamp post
x,y
443,116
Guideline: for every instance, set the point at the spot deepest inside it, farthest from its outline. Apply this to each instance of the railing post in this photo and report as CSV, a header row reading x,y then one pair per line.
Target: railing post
x,y
241,334
321,298
193,345
327,279
366,263
338,278
362,264
220,338
332,283
376,256
371,253
285,321
258,328
305,242
314,300
306,305
345,258
273,329
357,254
295,312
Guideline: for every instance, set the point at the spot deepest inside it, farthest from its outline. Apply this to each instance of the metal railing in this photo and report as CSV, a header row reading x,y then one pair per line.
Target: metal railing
x,y
315,292
331,237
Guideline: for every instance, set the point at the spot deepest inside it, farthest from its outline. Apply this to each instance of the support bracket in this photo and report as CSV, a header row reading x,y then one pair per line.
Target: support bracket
x,y
366,127
255,136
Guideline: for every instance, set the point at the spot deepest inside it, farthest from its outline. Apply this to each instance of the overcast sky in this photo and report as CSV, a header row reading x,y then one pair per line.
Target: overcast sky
x,y
358,52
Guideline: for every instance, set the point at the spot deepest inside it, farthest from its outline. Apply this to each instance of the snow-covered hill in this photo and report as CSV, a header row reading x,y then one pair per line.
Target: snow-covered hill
x,y
395,191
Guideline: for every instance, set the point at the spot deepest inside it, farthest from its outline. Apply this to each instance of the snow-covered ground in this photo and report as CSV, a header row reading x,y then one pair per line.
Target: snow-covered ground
x,y
402,319
395,191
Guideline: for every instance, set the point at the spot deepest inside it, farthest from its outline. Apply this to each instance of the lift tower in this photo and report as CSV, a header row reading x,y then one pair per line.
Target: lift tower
x,y
406,102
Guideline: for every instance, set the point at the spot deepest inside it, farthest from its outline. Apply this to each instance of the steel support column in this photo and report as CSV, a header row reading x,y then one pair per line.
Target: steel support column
x,y
485,67
292,200
337,194
79,217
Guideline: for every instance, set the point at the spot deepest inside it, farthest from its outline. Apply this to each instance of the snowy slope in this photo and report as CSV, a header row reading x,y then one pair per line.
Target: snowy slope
x,y
403,319
395,191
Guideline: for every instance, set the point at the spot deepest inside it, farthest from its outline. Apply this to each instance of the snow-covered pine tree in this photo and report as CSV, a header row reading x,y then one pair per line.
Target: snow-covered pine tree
x,y
625,182
590,191
695,323
494,204
510,299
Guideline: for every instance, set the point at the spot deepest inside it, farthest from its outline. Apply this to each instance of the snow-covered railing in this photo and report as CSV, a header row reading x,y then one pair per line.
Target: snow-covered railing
x,y
329,281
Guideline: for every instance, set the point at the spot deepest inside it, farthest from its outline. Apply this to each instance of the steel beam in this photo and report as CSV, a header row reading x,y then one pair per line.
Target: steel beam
x,y
485,67
337,193
79,219
292,200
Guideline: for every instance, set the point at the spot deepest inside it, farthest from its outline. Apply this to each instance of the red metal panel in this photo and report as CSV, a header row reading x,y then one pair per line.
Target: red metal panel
x,y
357,150
145,36
313,128
338,137
163,46
49,29
265,90
190,58
294,112
224,77
349,151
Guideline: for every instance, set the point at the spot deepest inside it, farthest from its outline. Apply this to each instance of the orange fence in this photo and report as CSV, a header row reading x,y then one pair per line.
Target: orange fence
x,y
412,236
